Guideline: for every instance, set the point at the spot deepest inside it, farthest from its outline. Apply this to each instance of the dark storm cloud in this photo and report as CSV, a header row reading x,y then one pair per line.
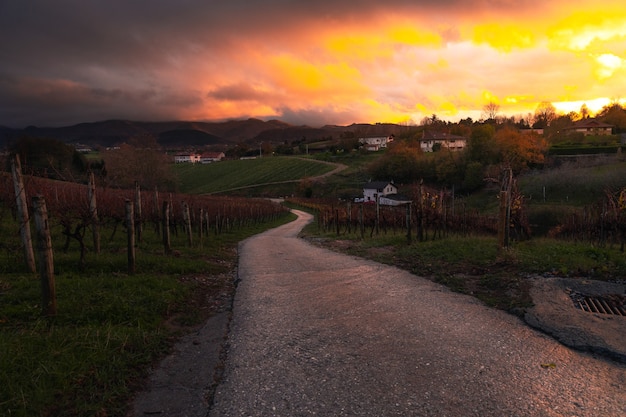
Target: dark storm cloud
x,y
64,61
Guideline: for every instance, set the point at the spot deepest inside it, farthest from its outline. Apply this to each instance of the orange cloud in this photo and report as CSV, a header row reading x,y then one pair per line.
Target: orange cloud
x,y
315,81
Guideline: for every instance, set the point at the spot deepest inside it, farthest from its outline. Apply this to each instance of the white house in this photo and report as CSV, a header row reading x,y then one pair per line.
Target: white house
x,y
442,139
591,126
186,158
375,143
387,194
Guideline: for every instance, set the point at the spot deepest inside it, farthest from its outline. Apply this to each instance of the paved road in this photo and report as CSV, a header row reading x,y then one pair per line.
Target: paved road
x,y
319,333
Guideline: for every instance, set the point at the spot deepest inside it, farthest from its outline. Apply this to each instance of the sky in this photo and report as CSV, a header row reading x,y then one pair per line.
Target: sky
x,y
305,62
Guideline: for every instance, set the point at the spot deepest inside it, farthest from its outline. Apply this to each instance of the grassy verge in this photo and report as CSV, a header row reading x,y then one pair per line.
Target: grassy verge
x,y
111,326
474,265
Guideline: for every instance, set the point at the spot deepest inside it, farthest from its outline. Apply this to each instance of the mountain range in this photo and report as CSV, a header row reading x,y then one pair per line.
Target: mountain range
x,y
177,134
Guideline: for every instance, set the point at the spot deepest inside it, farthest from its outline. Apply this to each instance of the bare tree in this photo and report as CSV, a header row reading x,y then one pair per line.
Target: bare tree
x,y
491,110
139,161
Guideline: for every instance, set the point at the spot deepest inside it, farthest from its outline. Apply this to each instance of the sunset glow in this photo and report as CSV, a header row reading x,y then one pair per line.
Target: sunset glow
x,y
304,63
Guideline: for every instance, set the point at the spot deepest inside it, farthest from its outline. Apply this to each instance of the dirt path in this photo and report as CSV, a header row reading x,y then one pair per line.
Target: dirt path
x,y
319,333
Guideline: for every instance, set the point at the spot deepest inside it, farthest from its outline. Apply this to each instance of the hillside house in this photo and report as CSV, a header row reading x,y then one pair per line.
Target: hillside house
x,y
181,158
208,157
431,140
387,194
591,126
375,143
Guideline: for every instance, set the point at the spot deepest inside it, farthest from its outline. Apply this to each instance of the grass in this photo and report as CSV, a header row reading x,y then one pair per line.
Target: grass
x,y
573,184
474,264
110,326
231,175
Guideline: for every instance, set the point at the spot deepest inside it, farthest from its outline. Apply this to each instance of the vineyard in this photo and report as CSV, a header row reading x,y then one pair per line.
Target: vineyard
x,y
76,209
435,214
127,271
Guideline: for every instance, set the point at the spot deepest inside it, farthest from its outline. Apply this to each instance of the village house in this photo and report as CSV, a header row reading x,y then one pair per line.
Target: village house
x,y
187,158
591,126
432,140
375,143
386,192
208,157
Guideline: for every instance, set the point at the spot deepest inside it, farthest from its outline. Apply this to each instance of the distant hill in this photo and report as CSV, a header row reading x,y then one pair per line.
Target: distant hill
x,y
178,134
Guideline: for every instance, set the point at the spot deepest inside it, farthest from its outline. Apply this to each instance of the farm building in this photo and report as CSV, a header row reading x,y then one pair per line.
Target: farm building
x,y
208,157
375,143
591,126
431,140
386,192
187,158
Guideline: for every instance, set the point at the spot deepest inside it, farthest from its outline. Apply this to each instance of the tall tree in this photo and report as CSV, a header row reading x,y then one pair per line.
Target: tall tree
x,y
480,147
614,114
518,150
584,113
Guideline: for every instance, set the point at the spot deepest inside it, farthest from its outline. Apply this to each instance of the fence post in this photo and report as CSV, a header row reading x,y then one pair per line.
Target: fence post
x,y
46,259
130,226
22,212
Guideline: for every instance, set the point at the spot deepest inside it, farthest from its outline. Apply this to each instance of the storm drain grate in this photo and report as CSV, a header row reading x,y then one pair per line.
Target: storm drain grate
x,y
604,304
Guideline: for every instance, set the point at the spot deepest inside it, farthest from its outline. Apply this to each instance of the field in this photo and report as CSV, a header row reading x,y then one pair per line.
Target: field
x,y
228,176
112,325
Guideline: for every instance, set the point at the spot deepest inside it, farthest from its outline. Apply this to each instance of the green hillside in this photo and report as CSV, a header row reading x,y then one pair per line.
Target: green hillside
x,y
231,175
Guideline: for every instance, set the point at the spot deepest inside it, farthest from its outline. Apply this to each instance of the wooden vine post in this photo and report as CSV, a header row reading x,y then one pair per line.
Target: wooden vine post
x,y
46,259
361,222
504,217
22,213
201,226
377,213
167,245
420,211
408,223
130,231
156,211
138,227
187,220
93,213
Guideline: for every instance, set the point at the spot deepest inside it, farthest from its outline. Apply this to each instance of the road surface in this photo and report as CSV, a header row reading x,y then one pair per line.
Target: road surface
x,y
320,333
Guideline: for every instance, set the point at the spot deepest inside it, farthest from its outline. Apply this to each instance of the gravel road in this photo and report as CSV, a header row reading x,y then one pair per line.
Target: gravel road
x,y
319,333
